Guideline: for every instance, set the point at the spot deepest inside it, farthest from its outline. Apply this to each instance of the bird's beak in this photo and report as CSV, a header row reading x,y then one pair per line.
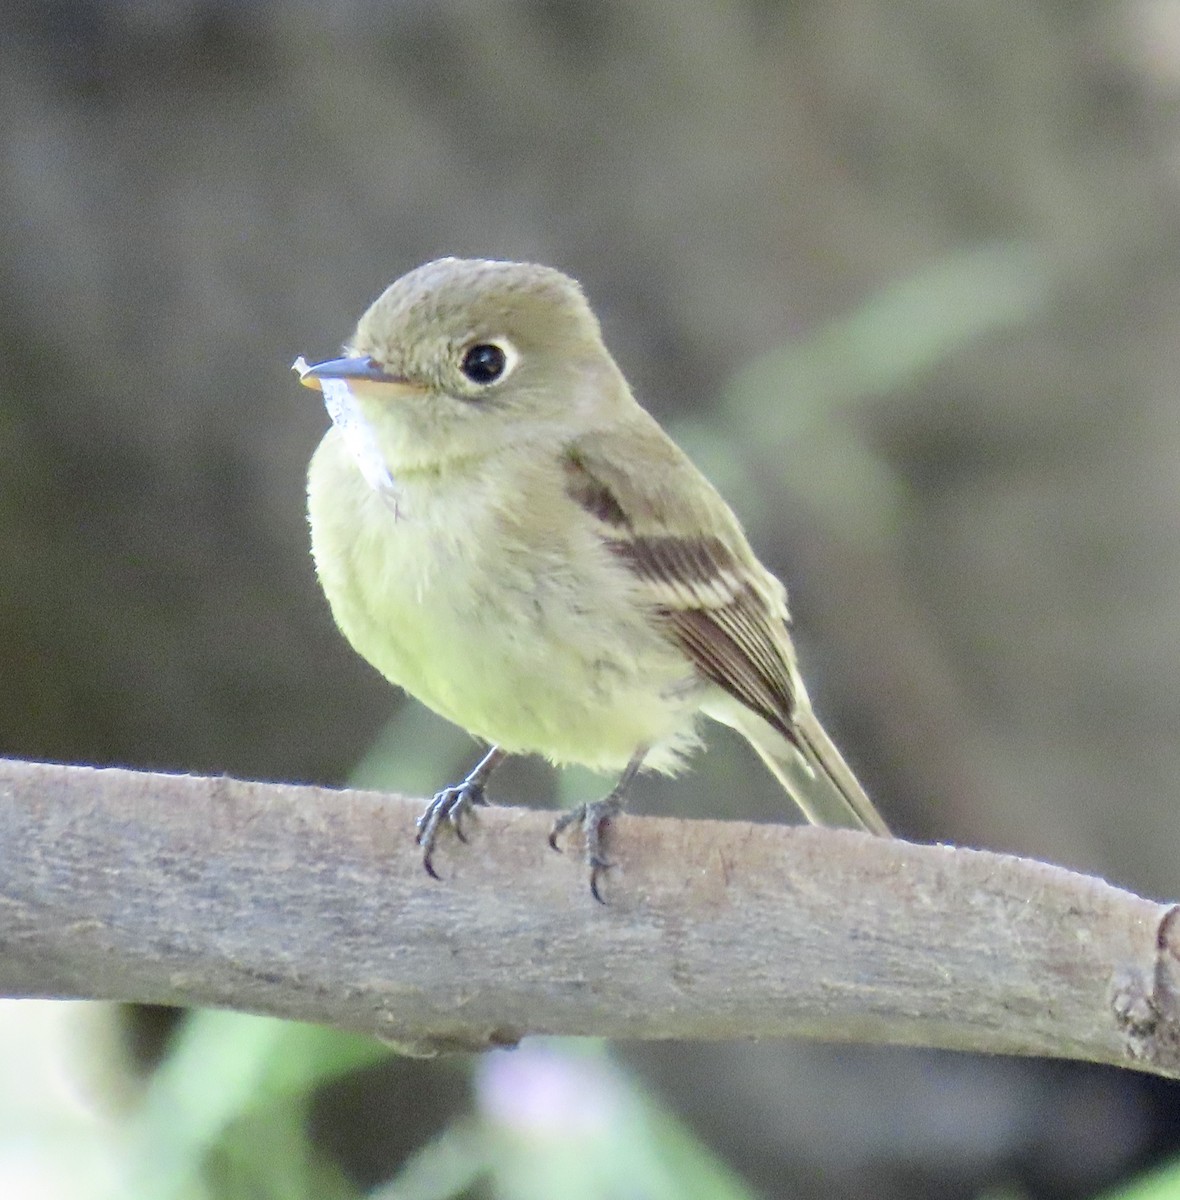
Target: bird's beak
x,y
351,370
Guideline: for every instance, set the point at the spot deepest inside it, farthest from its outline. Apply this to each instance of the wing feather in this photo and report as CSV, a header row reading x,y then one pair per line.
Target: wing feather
x,y
722,607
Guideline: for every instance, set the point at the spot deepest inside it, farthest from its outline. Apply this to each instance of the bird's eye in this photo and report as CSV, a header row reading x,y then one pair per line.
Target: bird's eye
x,y
484,363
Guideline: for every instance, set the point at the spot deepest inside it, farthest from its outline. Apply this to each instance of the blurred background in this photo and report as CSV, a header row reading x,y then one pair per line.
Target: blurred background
x,y
904,277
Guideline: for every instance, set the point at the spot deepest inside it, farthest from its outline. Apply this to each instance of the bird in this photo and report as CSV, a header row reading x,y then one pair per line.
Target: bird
x,y
504,532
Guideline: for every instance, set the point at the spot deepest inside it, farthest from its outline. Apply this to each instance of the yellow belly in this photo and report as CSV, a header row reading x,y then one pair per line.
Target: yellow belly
x,y
534,641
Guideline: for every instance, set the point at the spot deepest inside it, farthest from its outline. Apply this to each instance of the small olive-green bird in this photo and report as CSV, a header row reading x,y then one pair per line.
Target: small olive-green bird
x,y
502,531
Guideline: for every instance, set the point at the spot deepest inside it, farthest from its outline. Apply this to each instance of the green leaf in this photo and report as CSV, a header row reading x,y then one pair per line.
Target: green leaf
x,y
224,1068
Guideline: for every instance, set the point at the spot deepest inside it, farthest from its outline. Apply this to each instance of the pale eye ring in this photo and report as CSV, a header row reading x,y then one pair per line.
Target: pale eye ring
x,y
488,361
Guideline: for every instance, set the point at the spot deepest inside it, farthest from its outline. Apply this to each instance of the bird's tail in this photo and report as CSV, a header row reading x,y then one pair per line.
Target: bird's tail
x,y
813,772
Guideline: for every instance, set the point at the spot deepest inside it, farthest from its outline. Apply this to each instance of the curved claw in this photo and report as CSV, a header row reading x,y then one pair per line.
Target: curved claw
x,y
593,818
596,870
449,806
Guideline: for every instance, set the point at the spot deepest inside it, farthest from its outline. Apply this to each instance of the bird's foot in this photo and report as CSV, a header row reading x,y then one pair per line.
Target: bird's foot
x,y
594,819
448,808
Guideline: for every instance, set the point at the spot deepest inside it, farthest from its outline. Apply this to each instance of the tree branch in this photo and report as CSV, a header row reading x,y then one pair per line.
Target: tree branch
x,y
313,904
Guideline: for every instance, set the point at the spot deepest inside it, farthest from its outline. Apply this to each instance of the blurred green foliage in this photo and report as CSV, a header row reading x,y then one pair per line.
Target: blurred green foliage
x,y
789,406
1155,1185
560,1119
225,1117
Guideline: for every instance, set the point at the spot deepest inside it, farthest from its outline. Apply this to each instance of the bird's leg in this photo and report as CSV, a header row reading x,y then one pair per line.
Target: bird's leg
x,y
452,804
594,818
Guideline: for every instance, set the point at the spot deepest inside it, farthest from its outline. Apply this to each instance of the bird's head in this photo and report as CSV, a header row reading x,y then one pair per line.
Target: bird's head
x,y
461,357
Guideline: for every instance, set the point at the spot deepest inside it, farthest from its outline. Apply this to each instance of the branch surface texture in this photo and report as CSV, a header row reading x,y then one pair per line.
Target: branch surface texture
x,y
312,904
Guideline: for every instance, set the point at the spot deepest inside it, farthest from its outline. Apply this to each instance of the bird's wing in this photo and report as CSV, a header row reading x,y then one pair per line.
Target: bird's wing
x,y
686,548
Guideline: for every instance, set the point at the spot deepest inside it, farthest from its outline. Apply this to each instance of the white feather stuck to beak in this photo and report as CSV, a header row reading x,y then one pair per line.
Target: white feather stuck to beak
x,y
358,436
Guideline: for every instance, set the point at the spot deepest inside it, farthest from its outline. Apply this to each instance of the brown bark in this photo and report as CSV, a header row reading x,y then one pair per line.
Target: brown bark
x,y
312,904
